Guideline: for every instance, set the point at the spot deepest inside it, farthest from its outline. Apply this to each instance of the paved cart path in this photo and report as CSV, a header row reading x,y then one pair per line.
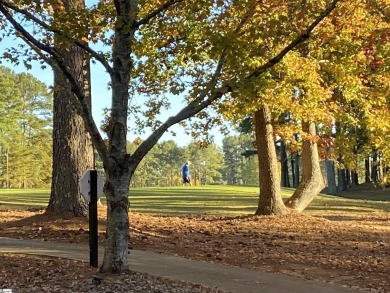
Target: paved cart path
x,y
229,278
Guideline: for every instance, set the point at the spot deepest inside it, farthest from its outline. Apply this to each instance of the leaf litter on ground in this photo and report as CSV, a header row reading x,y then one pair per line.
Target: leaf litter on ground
x,y
351,250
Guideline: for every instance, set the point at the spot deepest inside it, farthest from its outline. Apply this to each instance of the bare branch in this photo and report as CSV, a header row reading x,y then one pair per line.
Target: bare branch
x,y
156,12
82,45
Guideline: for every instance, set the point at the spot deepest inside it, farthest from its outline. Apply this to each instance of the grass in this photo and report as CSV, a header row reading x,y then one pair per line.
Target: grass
x,y
220,200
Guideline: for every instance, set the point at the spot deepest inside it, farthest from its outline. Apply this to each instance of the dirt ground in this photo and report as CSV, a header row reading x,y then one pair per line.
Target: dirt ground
x,y
353,250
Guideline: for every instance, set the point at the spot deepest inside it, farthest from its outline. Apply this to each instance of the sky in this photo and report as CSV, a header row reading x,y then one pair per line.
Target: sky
x,y
101,96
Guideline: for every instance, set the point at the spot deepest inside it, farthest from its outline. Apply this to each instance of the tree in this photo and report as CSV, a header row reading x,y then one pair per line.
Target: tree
x,y
232,159
312,68
206,162
136,33
270,200
312,181
25,126
35,128
169,161
238,166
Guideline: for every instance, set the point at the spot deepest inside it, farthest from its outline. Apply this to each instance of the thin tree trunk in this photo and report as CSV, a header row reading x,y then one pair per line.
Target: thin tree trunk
x,y
296,176
116,190
312,180
367,170
293,170
348,177
330,177
270,200
285,180
342,180
374,172
355,178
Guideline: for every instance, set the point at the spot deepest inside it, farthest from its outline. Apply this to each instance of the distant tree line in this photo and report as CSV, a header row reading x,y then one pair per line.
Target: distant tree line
x,y
209,165
25,131
26,150
26,145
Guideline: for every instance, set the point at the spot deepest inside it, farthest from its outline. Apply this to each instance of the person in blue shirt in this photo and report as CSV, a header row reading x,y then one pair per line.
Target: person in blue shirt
x,y
186,173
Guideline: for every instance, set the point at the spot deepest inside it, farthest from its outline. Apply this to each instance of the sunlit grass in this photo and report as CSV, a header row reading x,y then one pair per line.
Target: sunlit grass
x,y
23,198
216,200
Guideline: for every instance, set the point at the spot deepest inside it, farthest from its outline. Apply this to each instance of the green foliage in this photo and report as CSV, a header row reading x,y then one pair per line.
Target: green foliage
x,y
162,165
238,168
25,131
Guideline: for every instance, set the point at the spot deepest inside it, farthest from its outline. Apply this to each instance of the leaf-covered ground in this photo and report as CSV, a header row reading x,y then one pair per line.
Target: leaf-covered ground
x,y
27,273
351,249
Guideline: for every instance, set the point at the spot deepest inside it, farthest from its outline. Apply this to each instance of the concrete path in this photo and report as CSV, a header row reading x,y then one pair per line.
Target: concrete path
x,y
229,278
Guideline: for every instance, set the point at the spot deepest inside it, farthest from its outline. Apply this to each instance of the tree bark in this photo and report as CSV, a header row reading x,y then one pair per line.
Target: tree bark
x,y
295,169
116,190
72,144
270,200
341,178
367,170
330,177
354,178
285,180
374,168
312,180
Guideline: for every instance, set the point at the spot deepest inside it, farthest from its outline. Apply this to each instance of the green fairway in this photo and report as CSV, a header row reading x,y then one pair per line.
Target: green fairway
x,y
23,198
218,200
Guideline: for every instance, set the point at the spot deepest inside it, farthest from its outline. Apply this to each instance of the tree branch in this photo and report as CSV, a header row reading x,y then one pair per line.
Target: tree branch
x,y
300,39
382,10
197,104
82,45
154,13
200,103
76,89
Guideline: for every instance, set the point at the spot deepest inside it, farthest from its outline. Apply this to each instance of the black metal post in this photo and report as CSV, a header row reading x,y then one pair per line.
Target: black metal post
x,y
93,221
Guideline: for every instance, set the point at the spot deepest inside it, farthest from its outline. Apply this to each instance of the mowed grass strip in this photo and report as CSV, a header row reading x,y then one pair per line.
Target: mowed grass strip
x,y
212,200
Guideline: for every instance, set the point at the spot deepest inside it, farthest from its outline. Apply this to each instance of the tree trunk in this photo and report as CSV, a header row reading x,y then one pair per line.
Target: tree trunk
x,y
295,169
116,190
367,170
72,144
285,181
342,180
348,177
355,178
330,177
270,200
312,180
374,171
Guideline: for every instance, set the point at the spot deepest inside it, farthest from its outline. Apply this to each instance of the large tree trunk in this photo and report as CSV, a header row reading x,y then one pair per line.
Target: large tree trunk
x,y
72,144
270,200
312,180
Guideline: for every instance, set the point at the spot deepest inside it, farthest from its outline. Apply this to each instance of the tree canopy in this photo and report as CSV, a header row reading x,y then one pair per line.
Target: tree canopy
x,y
203,50
25,130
